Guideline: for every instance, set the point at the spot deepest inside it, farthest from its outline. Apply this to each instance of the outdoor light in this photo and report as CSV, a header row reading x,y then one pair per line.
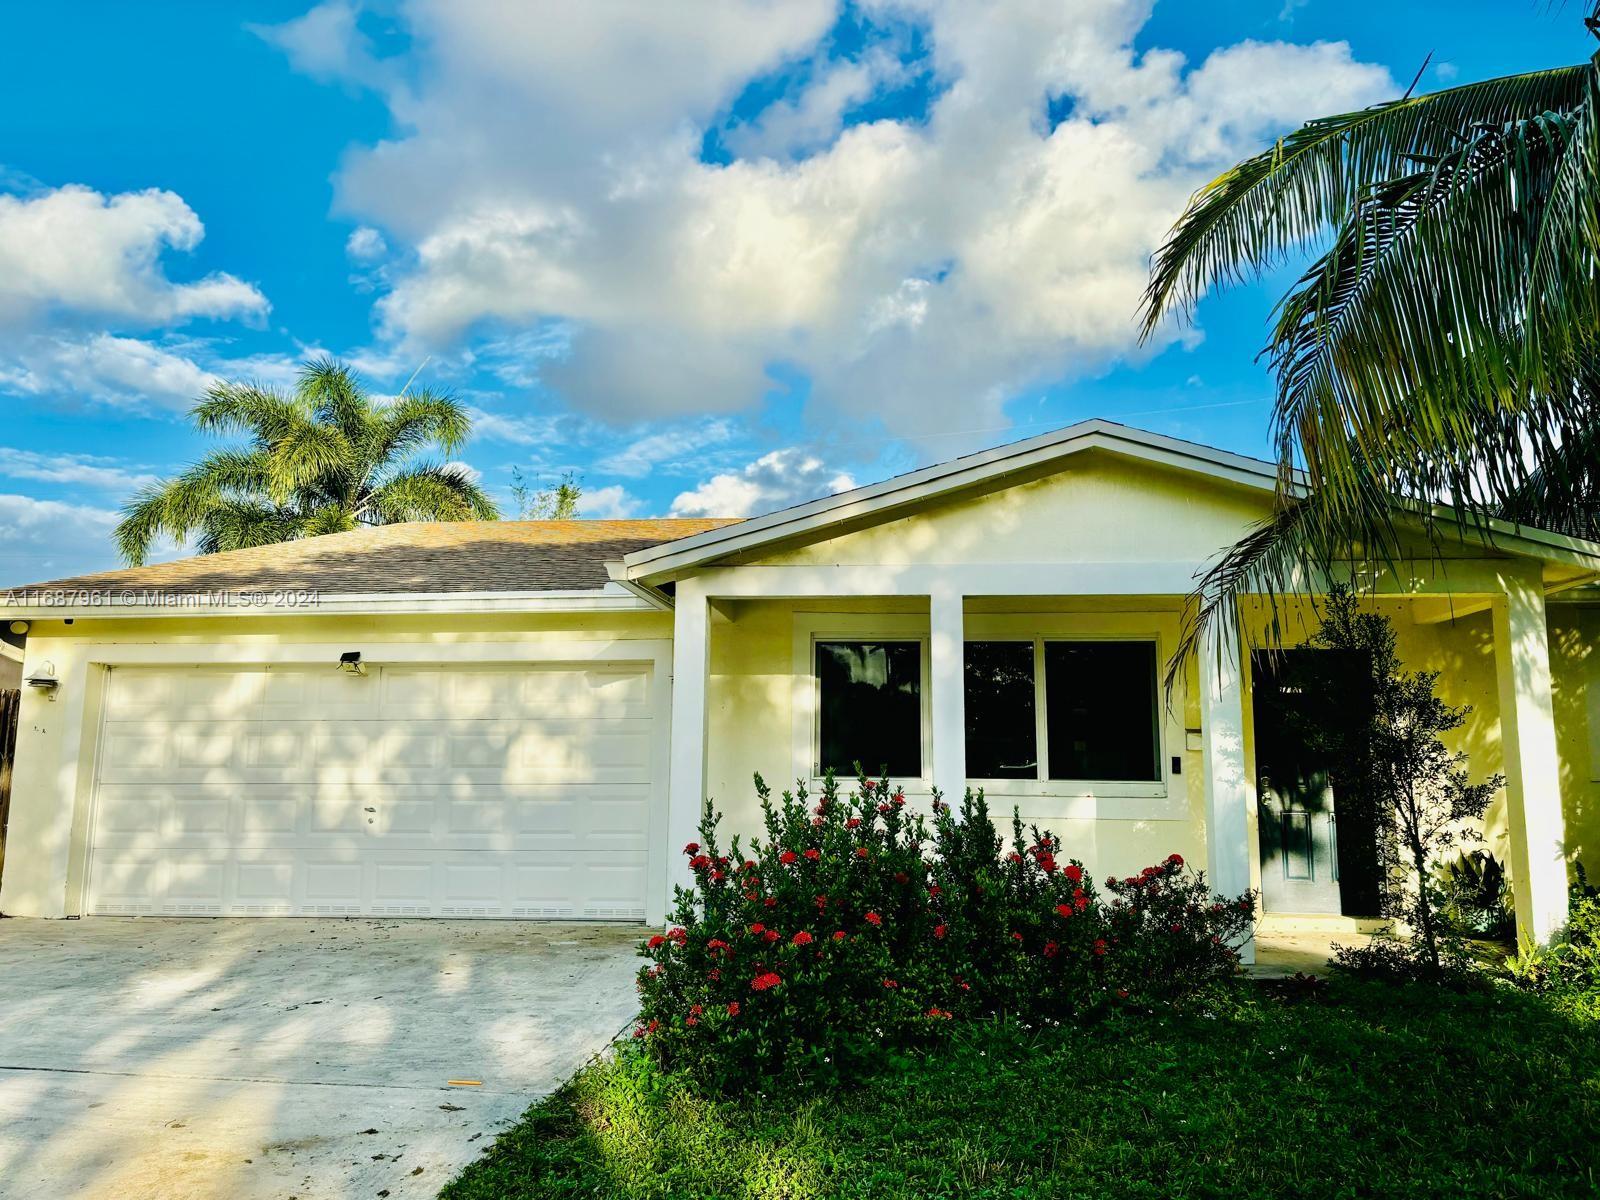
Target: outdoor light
x,y
350,663
44,679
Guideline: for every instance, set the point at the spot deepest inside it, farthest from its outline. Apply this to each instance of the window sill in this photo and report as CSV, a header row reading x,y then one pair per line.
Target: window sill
x,y
1058,799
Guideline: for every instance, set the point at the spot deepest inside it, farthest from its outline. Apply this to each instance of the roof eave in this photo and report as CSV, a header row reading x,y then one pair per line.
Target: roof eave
x,y
181,604
882,500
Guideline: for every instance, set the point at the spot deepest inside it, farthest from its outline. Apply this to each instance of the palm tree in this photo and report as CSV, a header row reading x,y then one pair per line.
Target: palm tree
x,y
323,459
1445,343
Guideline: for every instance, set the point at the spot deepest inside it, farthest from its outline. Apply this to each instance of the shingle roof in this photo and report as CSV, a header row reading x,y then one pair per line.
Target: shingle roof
x,y
417,556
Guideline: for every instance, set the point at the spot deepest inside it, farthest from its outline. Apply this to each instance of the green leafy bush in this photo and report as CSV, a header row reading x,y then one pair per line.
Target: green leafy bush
x,y
853,930
1568,970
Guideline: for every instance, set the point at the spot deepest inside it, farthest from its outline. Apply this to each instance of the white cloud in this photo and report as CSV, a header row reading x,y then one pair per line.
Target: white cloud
x,y
917,271
669,448
76,252
365,245
776,480
608,503
44,539
104,368
77,470
1447,72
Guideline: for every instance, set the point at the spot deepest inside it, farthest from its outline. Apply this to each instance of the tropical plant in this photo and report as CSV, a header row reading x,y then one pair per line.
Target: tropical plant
x,y
1380,732
855,929
1442,346
558,502
325,458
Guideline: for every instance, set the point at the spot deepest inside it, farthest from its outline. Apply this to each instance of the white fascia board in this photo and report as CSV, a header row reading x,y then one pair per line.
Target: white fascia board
x,y
183,604
881,499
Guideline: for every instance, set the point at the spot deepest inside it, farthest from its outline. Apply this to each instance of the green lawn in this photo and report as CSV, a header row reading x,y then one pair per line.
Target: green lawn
x,y
1369,1091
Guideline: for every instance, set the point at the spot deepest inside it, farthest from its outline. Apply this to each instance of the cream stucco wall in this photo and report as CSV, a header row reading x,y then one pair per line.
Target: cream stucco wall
x,y
1575,672
752,720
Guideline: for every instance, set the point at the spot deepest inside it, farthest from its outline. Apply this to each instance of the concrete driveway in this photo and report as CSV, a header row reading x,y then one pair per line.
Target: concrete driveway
x,y
189,1059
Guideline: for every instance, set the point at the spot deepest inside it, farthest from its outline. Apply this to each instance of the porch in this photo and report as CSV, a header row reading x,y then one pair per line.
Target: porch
x,y
755,663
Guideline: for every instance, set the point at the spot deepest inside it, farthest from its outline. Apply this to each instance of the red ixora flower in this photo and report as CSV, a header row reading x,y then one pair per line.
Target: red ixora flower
x,y
839,935
874,919
692,848
771,935
699,862
1099,945
813,854
801,939
852,823
733,1009
764,981
691,1021
1073,872
1050,949
1175,860
1064,910
901,877
861,851
788,857
939,931
889,983
678,934
758,927
656,942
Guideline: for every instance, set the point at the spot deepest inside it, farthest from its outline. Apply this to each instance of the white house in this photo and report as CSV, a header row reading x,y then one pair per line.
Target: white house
x,y
521,719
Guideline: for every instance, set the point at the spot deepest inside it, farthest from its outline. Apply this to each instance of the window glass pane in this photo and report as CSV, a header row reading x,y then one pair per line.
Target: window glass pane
x,y
1002,741
1100,710
871,707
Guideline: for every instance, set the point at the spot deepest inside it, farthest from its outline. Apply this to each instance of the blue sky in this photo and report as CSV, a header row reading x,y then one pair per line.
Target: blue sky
x,y
714,259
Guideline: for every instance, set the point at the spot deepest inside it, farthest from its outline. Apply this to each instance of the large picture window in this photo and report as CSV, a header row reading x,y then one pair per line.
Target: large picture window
x,y
1100,710
1095,717
870,707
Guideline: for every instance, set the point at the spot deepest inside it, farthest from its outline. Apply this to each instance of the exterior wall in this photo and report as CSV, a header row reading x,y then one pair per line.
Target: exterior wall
x,y
53,779
1575,674
755,679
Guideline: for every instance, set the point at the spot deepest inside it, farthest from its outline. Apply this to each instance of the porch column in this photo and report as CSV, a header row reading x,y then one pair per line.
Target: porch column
x,y
1533,773
947,626
1228,792
691,664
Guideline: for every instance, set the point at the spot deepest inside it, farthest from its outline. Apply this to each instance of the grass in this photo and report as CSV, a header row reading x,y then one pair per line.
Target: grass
x,y
1368,1091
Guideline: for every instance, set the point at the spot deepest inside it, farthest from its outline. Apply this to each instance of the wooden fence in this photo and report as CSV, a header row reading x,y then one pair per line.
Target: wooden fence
x,y
10,707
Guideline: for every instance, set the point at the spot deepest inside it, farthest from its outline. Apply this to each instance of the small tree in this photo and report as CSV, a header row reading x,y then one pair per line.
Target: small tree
x,y
1390,765
558,503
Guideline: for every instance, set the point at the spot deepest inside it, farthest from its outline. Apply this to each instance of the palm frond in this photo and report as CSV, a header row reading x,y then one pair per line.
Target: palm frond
x,y
1248,219
430,492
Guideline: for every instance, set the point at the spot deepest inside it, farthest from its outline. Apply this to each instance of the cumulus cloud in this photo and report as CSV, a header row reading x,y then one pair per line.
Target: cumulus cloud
x,y
365,245
74,251
608,503
105,368
776,480
45,539
920,271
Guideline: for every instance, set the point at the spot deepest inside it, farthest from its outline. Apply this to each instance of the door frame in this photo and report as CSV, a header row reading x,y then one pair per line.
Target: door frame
x,y
101,659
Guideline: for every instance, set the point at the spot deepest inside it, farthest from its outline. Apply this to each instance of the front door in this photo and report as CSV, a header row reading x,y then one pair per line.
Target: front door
x,y
1298,818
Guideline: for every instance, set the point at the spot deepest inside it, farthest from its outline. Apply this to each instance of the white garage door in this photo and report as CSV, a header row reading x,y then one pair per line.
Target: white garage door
x,y
506,791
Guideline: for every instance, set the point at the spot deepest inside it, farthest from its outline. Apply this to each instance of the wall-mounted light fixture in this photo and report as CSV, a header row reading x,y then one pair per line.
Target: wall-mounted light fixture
x,y
44,679
19,627
350,663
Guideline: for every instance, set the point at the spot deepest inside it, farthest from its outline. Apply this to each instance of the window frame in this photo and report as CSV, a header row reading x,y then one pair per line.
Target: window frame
x,y
812,628
1043,799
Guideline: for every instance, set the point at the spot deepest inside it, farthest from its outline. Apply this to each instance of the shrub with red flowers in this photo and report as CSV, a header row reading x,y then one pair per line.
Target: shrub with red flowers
x,y
1168,937
850,927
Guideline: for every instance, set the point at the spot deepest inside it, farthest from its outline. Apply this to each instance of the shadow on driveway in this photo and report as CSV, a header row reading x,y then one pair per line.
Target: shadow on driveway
x,y
256,1057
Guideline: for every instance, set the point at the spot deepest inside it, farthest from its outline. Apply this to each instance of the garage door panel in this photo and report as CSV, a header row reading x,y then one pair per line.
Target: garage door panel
x,y
510,792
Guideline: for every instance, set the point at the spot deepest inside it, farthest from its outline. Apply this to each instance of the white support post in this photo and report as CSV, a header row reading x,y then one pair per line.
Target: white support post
x,y
1228,790
691,665
947,626
1532,769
